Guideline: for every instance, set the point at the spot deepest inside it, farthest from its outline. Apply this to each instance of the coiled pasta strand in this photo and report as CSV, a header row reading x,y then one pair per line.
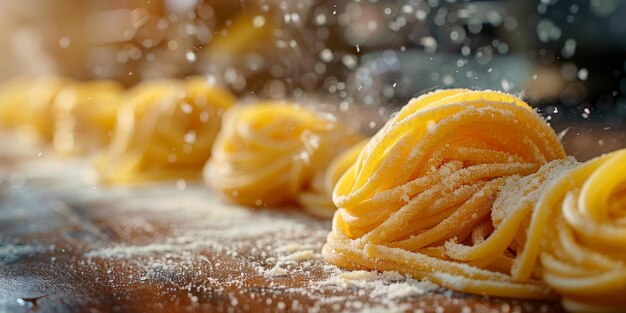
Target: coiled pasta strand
x,y
419,198
318,199
268,153
578,236
165,129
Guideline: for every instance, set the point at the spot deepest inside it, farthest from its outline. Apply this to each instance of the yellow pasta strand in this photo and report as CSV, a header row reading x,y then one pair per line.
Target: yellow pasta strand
x,y
85,115
423,196
318,199
165,129
268,153
581,237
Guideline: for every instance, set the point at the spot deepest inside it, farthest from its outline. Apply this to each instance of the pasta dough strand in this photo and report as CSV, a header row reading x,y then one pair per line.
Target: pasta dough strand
x,y
583,254
318,199
273,153
85,115
165,129
422,197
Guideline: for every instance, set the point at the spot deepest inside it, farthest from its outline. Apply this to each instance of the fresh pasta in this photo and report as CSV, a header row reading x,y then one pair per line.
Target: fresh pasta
x,y
267,153
421,197
578,236
317,200
85,115
165,130
28,102
13,95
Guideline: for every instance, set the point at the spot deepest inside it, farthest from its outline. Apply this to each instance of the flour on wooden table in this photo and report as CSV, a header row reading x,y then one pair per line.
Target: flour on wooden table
x,y
12,252
189,240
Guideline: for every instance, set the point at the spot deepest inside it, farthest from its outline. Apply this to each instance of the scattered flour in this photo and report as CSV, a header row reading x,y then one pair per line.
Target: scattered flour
x,y
388,285
123,251
275,271
197,244
10,253
300,256
292,247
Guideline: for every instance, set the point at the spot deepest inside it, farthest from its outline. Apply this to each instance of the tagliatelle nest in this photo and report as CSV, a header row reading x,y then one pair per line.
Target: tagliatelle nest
x,y
420,198
268,153
165,129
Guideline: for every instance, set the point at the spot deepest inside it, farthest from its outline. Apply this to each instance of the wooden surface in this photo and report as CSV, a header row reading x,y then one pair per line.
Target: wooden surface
x,y
68,245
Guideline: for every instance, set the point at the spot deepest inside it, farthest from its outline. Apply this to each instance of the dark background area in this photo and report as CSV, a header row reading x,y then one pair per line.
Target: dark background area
x,y
566,57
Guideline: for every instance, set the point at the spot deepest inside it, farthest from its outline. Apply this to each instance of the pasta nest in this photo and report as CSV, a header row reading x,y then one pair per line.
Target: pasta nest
x,y
420,197
26,103
268,153
85,115
165,129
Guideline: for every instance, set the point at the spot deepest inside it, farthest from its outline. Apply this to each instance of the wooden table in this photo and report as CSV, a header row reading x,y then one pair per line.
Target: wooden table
x,y
67,245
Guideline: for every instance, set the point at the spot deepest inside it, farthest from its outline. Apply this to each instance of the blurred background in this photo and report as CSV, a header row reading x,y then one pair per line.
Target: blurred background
x,y
566,57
